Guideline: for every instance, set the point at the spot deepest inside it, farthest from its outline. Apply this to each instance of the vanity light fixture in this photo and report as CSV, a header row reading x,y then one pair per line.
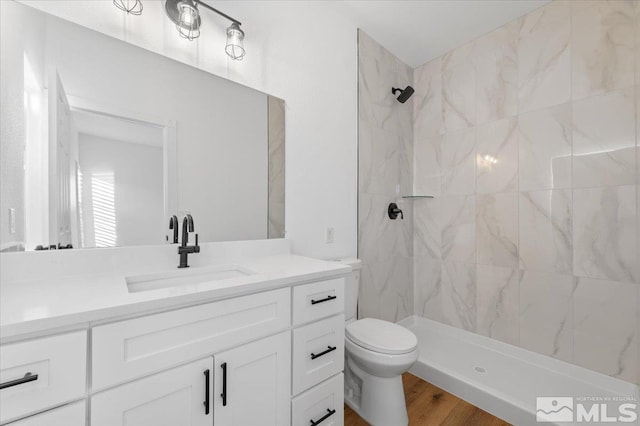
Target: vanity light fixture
x,y
235,42
132,7
186,16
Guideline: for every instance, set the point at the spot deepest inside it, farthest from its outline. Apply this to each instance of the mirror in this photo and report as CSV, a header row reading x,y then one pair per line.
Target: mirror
x,y
103,141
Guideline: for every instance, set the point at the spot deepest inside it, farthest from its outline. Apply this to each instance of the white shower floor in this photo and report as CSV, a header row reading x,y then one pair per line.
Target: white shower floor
x,y
502,379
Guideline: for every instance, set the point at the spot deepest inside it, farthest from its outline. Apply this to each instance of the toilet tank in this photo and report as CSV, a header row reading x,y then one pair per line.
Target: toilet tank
x,y
352,284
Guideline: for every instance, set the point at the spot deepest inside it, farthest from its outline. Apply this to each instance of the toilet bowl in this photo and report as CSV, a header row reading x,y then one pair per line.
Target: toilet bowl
x,y
377,353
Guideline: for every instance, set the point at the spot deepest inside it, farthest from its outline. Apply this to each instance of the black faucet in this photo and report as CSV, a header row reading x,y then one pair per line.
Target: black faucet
x,y
185,249
173,224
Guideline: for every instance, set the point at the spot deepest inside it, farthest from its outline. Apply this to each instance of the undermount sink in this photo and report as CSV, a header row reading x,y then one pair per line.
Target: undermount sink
x,y
182,277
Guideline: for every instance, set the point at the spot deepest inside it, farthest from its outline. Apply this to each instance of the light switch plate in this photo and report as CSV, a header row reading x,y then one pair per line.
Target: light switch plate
x,y
330,232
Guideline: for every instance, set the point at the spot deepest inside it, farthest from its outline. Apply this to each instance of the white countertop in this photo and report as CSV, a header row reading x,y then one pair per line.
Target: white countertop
x,y
37,306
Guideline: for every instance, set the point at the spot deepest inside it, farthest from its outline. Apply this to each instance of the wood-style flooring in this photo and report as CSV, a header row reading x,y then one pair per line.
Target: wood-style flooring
x,y
428,405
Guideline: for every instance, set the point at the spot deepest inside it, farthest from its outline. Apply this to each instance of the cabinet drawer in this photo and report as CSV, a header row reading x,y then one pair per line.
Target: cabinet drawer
x,y
318,300
180,396
323,401
137,347
58,373
318,352
69,415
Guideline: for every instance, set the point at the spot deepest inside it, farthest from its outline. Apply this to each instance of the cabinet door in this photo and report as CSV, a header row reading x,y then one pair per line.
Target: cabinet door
x,y
252,383
177,397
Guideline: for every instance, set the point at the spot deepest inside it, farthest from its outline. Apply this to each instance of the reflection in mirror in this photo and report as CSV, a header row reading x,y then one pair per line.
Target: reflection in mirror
x,y
103,141
276,167
120,177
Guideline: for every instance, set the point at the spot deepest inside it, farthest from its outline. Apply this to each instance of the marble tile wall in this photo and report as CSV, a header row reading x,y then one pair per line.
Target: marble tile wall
x,y
528,138
385,173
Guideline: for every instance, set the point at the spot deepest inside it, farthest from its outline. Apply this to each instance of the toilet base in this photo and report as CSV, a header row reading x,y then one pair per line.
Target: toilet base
x,y
378,400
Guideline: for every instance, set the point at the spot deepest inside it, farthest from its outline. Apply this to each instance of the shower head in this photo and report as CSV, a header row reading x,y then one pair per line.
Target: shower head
x,y
404,94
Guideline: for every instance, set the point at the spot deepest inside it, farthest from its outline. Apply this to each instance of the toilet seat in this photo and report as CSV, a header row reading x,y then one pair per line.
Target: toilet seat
x,y
381,336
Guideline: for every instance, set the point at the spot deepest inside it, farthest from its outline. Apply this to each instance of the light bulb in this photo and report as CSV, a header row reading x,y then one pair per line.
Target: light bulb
x,y
187,15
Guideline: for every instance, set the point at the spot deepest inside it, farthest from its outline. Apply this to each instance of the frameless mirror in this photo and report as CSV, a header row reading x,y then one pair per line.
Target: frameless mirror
x,y
103,141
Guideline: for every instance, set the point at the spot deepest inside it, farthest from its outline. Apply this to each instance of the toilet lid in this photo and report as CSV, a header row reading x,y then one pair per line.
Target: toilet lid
x,y
381,336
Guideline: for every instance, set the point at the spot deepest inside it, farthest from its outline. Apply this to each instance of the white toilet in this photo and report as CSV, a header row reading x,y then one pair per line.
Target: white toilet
x,y
377,353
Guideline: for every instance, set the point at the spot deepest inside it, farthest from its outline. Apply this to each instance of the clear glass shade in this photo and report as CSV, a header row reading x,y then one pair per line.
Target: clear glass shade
x,y
132,7
235,42
189,23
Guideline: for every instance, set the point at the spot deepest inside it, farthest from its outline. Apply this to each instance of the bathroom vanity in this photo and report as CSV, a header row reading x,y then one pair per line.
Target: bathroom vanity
x,y
249,334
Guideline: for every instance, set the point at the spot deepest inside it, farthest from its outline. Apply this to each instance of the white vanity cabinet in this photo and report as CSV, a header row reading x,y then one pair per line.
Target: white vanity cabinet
x,y
271,358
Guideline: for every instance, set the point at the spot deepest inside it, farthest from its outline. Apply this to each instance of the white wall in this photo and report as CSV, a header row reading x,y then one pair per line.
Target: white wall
x,y
302,52
16,109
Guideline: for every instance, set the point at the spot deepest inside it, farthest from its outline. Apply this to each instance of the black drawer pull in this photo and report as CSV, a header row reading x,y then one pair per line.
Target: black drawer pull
x,y
26,379
331,349
326,299
223,395
207,375
323,418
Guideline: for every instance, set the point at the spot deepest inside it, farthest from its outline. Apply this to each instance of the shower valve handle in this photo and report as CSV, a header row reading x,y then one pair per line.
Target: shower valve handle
x,y
393,211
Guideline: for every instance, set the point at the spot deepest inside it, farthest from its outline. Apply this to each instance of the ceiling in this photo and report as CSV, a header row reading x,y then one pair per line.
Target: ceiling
x,y
418,31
